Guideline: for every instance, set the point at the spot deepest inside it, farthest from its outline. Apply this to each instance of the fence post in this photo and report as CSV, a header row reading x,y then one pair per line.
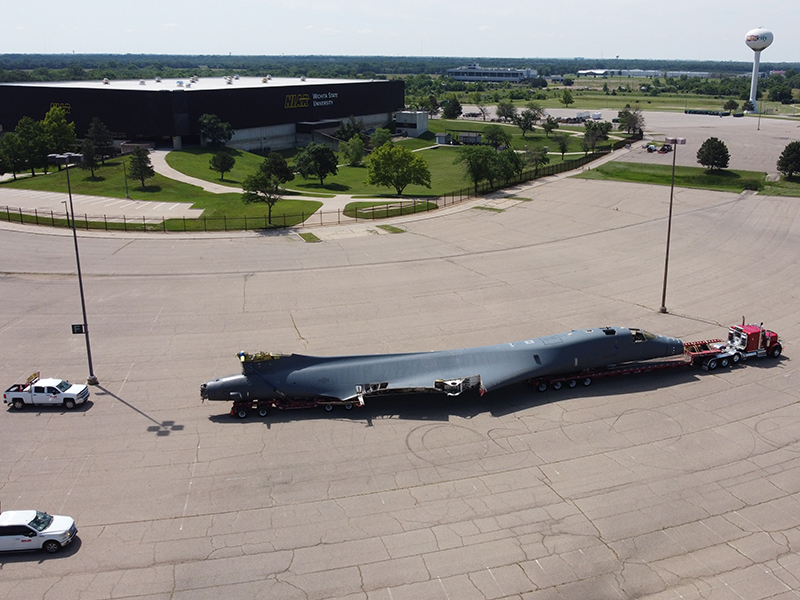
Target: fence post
x,y
205,224
245,222
52,219
225,222
124,223
105,220
184,223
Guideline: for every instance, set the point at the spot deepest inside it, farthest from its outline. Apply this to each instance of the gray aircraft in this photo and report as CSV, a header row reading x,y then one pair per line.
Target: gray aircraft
x,y
283,380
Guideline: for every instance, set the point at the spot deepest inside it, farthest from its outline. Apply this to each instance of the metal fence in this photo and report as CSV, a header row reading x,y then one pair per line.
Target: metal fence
x,y
311,219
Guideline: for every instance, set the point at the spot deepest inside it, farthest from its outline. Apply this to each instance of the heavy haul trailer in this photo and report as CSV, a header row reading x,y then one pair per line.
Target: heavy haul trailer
x,y
297,381
744,341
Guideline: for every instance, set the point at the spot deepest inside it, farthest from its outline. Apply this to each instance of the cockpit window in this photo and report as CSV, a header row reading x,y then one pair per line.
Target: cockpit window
x,y
640,335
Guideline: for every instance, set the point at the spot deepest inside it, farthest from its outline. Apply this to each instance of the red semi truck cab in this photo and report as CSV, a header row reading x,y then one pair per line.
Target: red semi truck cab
x,y
755,340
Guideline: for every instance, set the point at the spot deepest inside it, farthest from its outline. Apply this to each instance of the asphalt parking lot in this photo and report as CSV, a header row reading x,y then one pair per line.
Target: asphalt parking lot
x,y
680,484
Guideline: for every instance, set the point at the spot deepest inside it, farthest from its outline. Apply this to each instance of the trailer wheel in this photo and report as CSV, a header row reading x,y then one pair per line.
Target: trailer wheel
x,y
541,386
776,351
348,406
18,404
262,412
724,362
241,413
712,364
736,358
329,407
557,385
572,383
587,381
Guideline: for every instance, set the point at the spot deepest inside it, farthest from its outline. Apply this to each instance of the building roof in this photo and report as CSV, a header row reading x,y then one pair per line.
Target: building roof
x,y
192,83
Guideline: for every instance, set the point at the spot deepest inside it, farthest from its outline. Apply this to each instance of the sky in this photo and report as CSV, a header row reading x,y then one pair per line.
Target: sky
x,y
603,29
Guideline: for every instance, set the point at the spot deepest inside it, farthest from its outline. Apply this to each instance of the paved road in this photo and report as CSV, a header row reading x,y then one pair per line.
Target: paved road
x,y
672,485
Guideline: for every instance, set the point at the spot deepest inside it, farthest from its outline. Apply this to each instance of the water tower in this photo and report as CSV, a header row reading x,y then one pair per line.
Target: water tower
x,y
757,40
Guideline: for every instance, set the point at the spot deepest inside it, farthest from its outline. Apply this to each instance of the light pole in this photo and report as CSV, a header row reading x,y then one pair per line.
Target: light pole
x,y
68,159
675,143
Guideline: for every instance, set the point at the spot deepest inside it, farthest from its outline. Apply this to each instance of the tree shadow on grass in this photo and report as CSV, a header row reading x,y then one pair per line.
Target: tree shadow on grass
x,y
329,187
149,189
94,178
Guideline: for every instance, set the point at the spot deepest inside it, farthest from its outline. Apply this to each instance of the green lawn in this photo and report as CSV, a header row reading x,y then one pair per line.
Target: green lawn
x,y
194,162
784,187
110,181
690,177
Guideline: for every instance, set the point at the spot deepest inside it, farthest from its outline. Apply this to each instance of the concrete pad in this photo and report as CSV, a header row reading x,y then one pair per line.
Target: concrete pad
x,y
663,485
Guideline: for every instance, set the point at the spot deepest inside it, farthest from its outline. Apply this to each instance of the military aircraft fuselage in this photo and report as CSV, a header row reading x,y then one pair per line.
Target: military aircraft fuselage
x,y
342,378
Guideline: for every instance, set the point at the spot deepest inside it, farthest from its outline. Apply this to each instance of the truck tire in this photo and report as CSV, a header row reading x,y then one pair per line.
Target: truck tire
x,y
736,358
712,364
776,351
51,546
557,385
18,404
69,403
541,386
241,413
262,412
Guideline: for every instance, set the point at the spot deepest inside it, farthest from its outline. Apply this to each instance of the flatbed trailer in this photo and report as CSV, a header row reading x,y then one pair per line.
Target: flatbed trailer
x,y
241,408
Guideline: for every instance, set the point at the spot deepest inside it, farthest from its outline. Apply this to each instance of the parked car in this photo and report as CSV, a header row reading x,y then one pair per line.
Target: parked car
x,y
34,530
665,149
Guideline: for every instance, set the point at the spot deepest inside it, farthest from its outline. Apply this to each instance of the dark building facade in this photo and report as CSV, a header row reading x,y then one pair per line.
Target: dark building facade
x,y
261,111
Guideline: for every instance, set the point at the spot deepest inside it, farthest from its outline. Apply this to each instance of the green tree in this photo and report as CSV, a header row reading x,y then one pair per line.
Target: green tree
x,y
275,165
596,131
566,98
101,138
631,121
262,188
352,151
215,130
453,109
397,167
349,129
316,160
536,157
748,106
537,110
88,156
510,164
11,154
477,99
480,162
789,161
34,144
222,162
713,154
140,166
380,137
61,133
562,141
549,125
730,105
526,121
506,111
432,106
496,136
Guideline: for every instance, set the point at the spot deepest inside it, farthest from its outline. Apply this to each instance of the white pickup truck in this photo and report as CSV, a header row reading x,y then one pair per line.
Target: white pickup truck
x,y
46,392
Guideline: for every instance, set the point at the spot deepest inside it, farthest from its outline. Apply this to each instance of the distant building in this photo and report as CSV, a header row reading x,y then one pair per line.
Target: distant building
x,y
474,72
443,137
676,74
412,123
265,113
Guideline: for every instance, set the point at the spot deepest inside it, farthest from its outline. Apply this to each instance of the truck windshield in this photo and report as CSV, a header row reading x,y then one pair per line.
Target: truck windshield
x,y
41,521
64,386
